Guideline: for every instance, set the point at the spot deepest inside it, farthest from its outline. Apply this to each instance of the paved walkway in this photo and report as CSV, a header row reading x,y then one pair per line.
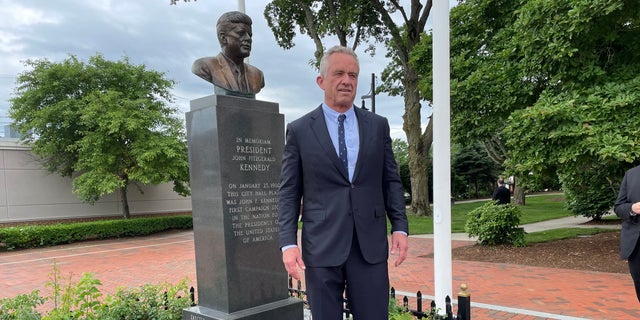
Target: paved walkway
x,y
498,290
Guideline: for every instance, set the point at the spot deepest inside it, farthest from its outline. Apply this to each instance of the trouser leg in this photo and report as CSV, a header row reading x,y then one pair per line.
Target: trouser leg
x,y
634,269
325,288
367,287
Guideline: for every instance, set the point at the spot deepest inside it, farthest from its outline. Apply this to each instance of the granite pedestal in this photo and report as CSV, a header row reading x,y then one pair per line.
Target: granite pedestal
x,y
235,153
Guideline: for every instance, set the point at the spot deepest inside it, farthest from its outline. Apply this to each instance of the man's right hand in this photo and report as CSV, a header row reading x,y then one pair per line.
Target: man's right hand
x,y
292,260
636,208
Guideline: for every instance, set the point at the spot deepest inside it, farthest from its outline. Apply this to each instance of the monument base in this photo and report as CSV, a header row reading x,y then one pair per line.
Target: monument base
x,y
287,309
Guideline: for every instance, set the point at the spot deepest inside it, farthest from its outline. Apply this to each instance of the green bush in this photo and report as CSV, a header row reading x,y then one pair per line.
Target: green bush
x,y
22,237
83,300
589,190
162,301
398,313
496,224
77,301
21,307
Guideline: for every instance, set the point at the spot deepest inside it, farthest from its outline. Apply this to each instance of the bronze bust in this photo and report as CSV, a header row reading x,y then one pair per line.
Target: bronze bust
x,y
227,71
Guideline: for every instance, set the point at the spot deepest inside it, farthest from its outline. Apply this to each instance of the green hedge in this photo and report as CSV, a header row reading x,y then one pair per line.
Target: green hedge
x,y
22,237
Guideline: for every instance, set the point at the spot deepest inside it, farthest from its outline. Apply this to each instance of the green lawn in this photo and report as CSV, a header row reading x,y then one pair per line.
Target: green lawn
x,y
559,234
537,208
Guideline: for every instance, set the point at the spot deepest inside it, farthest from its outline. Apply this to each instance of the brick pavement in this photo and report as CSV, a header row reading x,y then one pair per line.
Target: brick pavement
x,y
498,291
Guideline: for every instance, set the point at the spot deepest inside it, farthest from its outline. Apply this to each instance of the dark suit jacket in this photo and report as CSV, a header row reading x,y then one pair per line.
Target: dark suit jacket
x,y
333,207
629,194
217,71
502,194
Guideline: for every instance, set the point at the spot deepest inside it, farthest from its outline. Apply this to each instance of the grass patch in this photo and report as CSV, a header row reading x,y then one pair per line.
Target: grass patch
x,y
537,208
559,234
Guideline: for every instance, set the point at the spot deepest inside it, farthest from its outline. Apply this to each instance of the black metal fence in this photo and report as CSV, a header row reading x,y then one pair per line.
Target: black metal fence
x,y
464,304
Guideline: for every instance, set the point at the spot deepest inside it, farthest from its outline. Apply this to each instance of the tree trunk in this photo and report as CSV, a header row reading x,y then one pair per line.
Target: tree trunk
x,y
125,202
419,145
475,183
518,193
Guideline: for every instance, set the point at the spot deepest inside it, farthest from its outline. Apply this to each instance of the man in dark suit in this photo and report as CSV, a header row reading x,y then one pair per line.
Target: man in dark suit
x,y
627,207
227,70
343,170
501,194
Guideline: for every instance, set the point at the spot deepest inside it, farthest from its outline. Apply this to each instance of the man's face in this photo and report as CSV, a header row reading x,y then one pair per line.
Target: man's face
x,y
237,40
340,82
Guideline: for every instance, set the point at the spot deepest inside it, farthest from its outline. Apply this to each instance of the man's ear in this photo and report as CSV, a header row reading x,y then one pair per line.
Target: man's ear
x,y
320,82
222,38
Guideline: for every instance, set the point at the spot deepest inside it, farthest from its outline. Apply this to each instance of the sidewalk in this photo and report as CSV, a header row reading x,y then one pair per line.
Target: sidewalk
x,y
566,222
498,291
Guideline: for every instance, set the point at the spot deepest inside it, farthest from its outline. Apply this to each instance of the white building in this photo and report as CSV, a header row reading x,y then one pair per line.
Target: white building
x,y
29,192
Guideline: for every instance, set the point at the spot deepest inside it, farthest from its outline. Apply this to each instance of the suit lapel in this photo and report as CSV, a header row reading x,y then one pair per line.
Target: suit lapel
x,y
363,123
228,73
319,127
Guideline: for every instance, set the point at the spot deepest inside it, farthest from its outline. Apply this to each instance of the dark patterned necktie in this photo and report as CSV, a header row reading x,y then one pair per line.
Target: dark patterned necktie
x,y
342,146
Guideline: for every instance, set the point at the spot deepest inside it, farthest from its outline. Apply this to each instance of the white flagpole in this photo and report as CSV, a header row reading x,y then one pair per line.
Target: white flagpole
x,y
443,276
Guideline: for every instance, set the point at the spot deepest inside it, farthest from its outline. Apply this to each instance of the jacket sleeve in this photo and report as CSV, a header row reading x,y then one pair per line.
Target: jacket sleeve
x,y
622,206
290,193
393,190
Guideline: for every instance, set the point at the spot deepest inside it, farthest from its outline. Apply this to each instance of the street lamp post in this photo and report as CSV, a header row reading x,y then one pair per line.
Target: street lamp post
x,y
371,95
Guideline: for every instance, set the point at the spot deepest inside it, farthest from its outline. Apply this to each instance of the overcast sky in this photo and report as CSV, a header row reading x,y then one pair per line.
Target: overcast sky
x,y
169,38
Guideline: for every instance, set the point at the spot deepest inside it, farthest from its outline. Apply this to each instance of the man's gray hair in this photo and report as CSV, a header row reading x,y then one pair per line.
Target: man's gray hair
x,y
335,49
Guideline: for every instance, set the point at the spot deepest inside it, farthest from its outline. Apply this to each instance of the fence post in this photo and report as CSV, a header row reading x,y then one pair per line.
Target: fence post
x,y
434,310
447,308
464,303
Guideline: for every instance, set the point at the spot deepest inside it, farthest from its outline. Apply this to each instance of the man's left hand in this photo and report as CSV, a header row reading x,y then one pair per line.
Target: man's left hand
x,y
399,246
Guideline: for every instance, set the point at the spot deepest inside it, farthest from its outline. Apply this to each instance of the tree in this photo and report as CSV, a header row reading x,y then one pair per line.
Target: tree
x,y
527,78
591,60
591,137
401,153
373,21
474,170
105,124
486,81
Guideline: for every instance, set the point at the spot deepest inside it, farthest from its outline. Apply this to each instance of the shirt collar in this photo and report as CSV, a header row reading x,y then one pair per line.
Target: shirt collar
x,y
332,115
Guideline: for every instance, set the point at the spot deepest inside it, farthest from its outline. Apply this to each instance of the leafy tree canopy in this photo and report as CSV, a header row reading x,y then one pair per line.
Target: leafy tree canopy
x,y
106,124
356,20
552,84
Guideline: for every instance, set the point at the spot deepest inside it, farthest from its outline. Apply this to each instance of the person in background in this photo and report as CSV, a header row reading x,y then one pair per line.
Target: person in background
x,y
338,160
501,194
627,207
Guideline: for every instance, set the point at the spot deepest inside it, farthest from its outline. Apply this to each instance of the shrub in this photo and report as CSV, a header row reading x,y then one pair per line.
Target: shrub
x,y
589,191
83,300
398,313
21,307
162,301
496,224
22,237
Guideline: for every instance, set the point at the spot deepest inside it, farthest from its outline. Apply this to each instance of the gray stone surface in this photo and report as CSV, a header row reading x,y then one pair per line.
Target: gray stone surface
x,y
235,151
